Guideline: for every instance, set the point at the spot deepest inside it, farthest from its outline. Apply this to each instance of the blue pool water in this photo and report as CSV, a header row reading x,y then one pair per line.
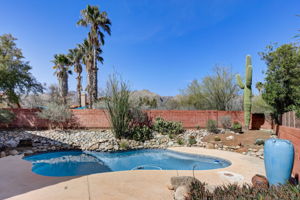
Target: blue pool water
x,y
75,163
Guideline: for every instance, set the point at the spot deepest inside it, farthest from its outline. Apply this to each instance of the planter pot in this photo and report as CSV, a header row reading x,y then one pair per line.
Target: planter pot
x,y
279,159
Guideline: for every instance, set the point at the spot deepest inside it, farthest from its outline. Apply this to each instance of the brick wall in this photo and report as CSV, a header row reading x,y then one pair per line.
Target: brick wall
x,y
96,118
292,134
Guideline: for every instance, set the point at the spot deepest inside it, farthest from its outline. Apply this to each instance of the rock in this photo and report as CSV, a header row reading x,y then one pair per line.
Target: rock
x,y
182,193
2,154
177,181
13,152
210,146
259,181
259,141
28,153
170,187
231,137
11,143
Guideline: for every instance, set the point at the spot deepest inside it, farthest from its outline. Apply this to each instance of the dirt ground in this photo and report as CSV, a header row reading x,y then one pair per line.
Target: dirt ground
x,y
245,140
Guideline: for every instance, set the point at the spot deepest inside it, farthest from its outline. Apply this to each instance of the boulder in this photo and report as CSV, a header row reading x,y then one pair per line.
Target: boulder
x,y
259,141
28,153
210,146
182,193
11,143
231,137
2,154
13,152
260,181
177,181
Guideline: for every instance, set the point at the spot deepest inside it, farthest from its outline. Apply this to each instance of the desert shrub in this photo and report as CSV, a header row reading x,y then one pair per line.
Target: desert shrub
x,y
180,141
211,126
236,125
217,139
226,122
6,116
57,114
192,140
244,192
118,106
167,127
141,133
140,126
127,120
124,145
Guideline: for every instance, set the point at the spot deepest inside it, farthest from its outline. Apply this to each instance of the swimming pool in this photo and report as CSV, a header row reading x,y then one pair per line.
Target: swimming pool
x,y
76,163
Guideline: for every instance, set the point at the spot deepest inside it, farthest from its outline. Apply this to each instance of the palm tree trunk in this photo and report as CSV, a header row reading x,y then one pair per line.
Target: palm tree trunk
x,y
65,87
79,87
90,85
95,78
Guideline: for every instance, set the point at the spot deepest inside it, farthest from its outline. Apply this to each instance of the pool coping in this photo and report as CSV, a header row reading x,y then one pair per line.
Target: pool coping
x,y
144,184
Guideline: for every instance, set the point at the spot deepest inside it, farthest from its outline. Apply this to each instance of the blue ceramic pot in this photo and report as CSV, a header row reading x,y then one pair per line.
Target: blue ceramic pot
x,y
279,159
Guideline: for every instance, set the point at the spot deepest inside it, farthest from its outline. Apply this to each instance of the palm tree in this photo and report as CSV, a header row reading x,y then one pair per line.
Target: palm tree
x,y
75,57
88,59
98,23
61,67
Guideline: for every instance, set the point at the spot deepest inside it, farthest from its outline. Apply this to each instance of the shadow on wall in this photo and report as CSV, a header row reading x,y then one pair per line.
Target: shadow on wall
x,y
260,121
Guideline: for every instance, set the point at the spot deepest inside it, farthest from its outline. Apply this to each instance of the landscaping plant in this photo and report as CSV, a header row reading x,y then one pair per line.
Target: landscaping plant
x,y
6,116
226,122
211,126
247,87
118,106
199,191
167,127
192,140
236,127
57,114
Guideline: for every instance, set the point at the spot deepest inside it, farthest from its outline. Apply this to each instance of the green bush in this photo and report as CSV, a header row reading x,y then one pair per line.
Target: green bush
x,y
140,126
192,140
57,114
236,125
212,126
226,122
244,192
180,141
124,145
141,133
217,139
167,127
6,116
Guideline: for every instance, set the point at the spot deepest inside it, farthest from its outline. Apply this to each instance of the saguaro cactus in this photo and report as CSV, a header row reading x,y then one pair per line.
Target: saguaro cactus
x,y
247,87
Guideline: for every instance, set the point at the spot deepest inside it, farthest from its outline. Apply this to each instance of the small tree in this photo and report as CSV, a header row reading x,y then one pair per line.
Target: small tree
x,y
281,87
216,91
15,76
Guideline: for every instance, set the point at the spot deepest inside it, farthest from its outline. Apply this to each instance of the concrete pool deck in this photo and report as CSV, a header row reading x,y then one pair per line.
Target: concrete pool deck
x,y
17,182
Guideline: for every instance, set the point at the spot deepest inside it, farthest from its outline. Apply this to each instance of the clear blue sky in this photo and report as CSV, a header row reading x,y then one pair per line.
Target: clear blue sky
x,y
160,45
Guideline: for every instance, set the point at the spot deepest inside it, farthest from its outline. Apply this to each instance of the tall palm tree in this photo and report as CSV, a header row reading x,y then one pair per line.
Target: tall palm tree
x,y
75,57
87,50
99,24
61,67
